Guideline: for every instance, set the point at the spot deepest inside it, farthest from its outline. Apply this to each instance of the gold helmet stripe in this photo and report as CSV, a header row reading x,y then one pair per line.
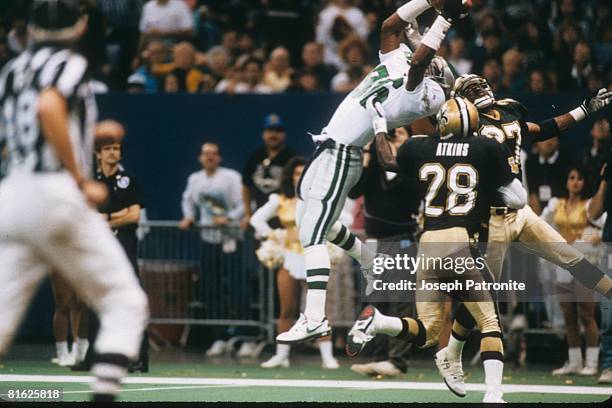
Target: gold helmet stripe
x,y
464,115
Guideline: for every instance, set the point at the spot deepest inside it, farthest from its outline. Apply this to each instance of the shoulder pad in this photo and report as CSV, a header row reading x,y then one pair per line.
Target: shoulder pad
x,y
520,108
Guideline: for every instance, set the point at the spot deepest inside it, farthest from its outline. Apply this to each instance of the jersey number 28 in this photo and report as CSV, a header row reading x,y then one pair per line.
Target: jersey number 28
x,y
461,183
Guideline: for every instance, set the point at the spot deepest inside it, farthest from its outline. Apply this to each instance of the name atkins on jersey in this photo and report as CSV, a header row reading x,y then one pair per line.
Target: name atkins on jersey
x,y
453,149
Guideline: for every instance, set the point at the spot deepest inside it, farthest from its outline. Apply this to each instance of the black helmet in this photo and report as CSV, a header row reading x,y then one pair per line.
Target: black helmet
x,y
56,20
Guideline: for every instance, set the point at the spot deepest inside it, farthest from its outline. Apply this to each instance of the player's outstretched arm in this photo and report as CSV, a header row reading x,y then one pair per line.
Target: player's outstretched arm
x,y
553,127
384,152
393,27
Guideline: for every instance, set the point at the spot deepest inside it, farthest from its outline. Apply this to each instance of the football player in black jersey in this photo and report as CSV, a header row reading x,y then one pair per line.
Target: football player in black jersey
x,y
505,121
455,171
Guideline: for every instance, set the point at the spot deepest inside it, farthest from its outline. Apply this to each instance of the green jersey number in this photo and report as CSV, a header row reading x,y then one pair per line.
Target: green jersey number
x,y
376,83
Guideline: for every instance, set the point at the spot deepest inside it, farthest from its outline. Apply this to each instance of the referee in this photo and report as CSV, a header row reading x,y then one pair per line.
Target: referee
x,y
121,210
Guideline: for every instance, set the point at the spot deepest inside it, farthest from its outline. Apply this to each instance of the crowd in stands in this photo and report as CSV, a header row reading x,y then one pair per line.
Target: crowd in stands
x,y
273,46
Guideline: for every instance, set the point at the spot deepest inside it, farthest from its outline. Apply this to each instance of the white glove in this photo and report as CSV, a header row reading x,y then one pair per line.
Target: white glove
x,y
377,113
600,100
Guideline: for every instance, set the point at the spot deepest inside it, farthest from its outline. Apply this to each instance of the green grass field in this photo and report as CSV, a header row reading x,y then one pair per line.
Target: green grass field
x,y
189,377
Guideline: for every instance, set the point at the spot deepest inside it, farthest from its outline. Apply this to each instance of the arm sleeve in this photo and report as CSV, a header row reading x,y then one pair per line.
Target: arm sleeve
x,y
549,211
259,220
236,210
513,194
187,203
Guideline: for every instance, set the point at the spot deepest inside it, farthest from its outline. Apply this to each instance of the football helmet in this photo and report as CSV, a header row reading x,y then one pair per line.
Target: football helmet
x,y
440,71
458,117
474,88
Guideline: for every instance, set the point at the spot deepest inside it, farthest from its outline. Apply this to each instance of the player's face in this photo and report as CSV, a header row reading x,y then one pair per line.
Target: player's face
x,y
297,173
110,154
274,137
401,135
575,183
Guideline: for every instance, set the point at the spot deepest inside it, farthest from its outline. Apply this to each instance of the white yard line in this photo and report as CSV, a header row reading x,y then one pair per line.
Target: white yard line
x,y
353,385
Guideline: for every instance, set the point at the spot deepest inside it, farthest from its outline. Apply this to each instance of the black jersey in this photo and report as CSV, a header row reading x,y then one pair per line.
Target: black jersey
x,y
505,122
455,177
21,82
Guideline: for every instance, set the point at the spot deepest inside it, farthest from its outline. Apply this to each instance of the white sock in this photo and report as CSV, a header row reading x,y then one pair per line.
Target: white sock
x,y
326,350
61,347
454,348
494,371
317,263
82,345
389,325
283,350
592,357
575,356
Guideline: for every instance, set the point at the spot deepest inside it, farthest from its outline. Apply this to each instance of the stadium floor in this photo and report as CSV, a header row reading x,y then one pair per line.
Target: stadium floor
x,y
186,376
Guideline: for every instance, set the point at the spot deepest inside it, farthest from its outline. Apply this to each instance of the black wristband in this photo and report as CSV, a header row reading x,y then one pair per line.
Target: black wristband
x,y
548,129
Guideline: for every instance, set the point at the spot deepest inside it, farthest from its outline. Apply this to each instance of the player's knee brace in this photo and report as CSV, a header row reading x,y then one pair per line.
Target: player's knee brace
x,y
464,318
491,346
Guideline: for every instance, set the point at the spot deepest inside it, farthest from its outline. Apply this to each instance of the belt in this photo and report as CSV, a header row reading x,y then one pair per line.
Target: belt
x,y
502,210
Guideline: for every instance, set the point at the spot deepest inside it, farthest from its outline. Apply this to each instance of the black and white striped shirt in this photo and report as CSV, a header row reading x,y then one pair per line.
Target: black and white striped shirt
x,y
21,82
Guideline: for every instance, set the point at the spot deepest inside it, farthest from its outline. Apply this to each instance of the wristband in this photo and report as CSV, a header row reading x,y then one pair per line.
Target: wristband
x,y
379,125
436,33
412,9
580,113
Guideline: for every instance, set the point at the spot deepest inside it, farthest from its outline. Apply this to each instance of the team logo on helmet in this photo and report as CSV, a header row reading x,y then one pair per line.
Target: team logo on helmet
x,y
458,117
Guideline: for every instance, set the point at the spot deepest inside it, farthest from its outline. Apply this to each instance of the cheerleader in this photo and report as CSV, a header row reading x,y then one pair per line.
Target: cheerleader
x,y
281,250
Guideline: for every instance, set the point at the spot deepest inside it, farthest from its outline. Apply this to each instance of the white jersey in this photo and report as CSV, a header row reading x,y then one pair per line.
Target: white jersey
x,y
352,125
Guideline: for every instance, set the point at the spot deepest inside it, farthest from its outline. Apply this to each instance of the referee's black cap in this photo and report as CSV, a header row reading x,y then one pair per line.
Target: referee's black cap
x,y
55,15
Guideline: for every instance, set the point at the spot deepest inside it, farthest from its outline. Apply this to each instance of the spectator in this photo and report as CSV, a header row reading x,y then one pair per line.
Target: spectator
x,y
594,156
492,72
218,62
153,56
306,80
336,21
569,216
457,56
278,71
491,49
581,68
214,192
250,81
171,83
545,173
535,43
513,76
354,53
183,68
264,167
136,83
602,202
312,58
168,20
539,82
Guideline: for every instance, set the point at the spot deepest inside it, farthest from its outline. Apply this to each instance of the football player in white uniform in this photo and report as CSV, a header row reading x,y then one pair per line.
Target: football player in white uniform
x,y
48,113
400,85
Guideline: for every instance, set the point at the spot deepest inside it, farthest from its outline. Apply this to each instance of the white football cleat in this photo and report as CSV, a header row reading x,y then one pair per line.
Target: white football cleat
x,y
568,369
365,369
452,373
304,330
362,331
605,377
217,349
588,371
494,396
330,364
387,369
66,360
276,361
246,349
